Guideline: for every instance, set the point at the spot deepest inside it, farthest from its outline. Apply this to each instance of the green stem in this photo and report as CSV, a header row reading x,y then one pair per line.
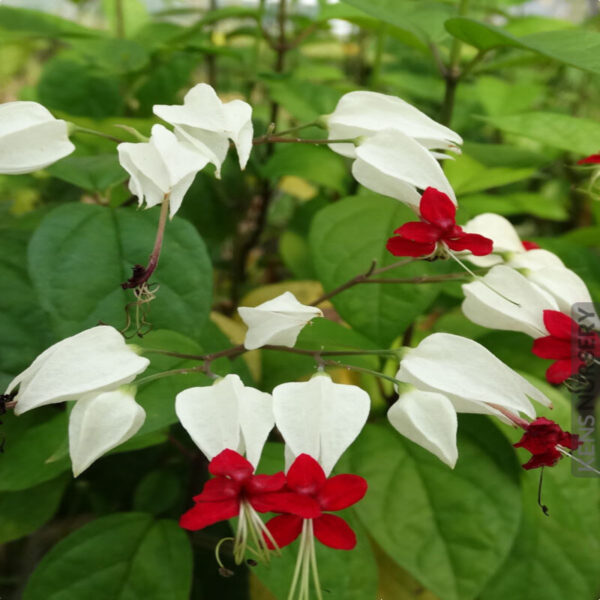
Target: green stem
x,y
378,59
120,19
77,129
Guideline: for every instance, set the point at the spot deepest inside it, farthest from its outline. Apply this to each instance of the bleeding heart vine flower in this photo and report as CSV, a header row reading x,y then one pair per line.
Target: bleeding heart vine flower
x,y
97,424
30,138
564,285
504,299
319,418
236,491
207,123
559,346
436,232
163,166
86,364
306,478
277,321
363,114
593,159
547,443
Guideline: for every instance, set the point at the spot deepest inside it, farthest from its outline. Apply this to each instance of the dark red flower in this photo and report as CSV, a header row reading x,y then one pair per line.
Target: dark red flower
x,y
234,483
530,245
541,438
558,346
306,477
594,159
437,225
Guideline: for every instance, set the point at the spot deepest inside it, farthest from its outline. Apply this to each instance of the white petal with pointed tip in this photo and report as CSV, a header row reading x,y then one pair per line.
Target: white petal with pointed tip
x,y
30,138
100,423
469,375
226,415
500,231
90,362
504,299
319,417
564,285
277,321
428,419
397,157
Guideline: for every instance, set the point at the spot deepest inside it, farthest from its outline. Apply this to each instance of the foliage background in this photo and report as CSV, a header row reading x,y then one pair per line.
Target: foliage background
x,y
526,103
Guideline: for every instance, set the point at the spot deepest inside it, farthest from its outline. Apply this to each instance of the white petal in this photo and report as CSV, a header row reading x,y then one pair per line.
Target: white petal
x,y
469,374
101,423
371,111
277,321
239,128
396,155
319,417
500,231
565,286
92,361
504,299
534,259
226,415
212,145
30,138
427,419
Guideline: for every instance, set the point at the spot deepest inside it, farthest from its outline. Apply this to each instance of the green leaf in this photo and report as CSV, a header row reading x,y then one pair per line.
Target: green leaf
x,y
450,529
315,163
501,97
345,238
553,557
575,47
125,555
466,175
157,492
295,253
115,56
573,134
25,511
94,173
80,254
32,442
71,86
518,203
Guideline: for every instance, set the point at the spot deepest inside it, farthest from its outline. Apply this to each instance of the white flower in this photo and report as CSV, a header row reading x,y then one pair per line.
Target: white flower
x,y
564,285
319,418
98,424
395,165
88,363
508,247
208,124
362,114
428,419
469,375
277,321
454,374
163,166
505,299
30,138
226,415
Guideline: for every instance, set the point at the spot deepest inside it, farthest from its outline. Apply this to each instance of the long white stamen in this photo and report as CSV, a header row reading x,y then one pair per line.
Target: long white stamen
x,y
298,564
313,562
587,466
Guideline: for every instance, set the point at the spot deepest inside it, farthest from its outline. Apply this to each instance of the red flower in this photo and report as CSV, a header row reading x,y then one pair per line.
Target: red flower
x,y
541,438
530,245
590,160
437,225
306,477
235,483
559,344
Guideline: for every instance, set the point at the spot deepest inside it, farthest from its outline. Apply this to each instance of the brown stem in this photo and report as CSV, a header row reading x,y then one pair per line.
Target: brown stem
x,y
141,274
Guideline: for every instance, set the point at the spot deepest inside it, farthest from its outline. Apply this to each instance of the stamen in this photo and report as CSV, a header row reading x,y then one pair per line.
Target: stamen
x,y
587,466
313,562
223,570
542,506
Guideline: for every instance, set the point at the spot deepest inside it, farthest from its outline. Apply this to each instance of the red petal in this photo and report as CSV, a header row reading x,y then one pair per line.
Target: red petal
x,y
306,475
548,459
219,488
231,464
530,245
207,513
477,244
286,502
568,440
437,208
551,347
334,532
261,484
559,325
417,231
284,528
398,246
590,160
342,491
559,371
